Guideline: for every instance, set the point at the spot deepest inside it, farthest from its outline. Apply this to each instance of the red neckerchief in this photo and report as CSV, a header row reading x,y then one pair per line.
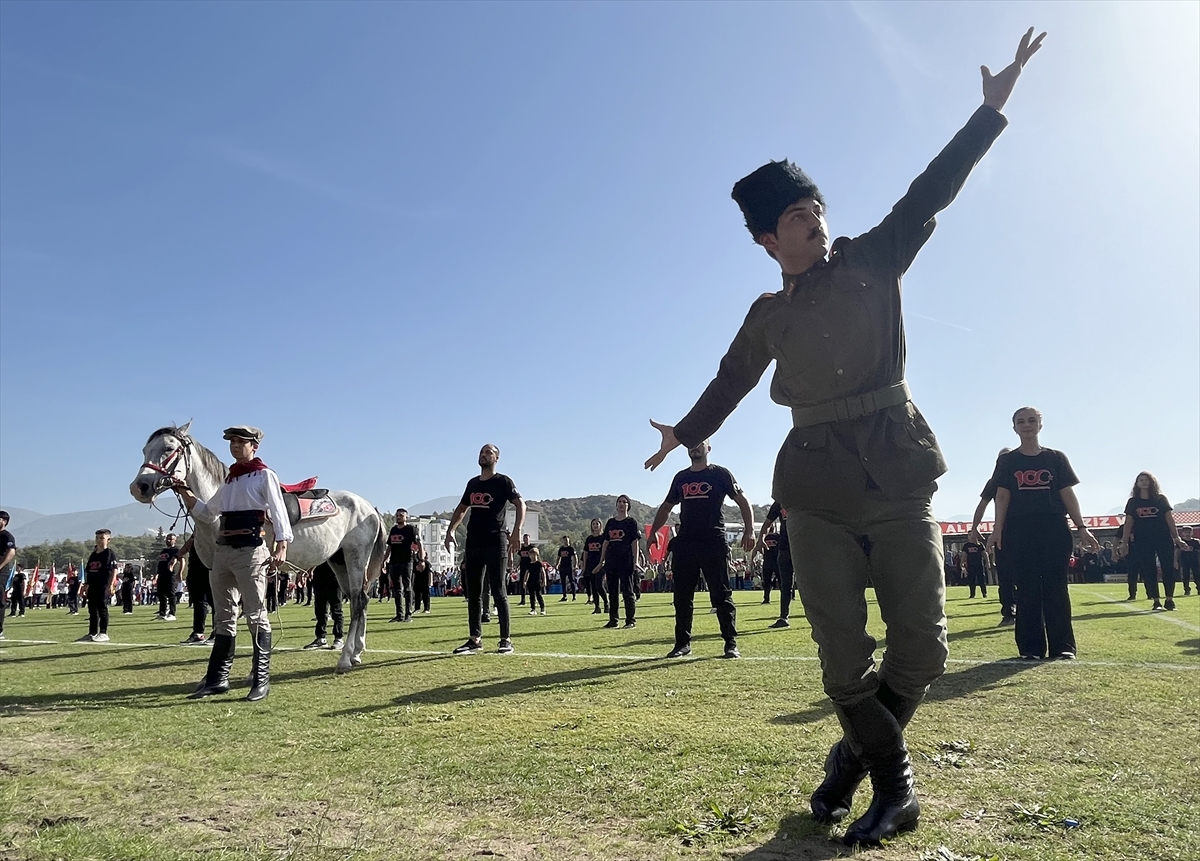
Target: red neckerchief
x,y
240,469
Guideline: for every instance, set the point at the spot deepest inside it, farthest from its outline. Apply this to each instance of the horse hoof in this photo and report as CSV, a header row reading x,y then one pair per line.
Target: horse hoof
x,y
356,660
342,669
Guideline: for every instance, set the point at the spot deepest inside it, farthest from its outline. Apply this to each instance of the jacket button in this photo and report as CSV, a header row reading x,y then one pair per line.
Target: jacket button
x,y
839,372
826,335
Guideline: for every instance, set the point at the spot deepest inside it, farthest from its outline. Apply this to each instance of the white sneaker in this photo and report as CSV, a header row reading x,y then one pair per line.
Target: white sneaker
x,y
168,618
533,612
543,612
100,638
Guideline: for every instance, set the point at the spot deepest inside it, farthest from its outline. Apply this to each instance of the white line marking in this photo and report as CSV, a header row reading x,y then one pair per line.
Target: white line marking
x,y
1165,615
972,662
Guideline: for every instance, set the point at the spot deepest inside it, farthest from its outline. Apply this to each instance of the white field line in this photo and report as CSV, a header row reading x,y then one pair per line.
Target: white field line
x,y
974,662
1165,615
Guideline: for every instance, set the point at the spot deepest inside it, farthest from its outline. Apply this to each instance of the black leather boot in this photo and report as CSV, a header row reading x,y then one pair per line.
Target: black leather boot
x,y
894,806
220,662
261,671
844,771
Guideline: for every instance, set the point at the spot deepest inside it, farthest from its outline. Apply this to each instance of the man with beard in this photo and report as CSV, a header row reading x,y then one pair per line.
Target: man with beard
x,y
485,558
699,549
403,541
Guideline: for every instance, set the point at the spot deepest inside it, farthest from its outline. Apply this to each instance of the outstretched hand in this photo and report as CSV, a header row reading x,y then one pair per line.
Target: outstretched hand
x,y
668,443
997,88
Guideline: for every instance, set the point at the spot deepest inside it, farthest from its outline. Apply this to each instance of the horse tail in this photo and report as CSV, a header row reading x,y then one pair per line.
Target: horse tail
x,y
375,565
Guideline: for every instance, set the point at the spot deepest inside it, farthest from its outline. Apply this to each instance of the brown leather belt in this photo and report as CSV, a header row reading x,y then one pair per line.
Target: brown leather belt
x,y
852,407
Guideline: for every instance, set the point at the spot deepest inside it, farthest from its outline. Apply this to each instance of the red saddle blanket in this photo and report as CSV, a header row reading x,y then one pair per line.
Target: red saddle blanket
x,y
307,484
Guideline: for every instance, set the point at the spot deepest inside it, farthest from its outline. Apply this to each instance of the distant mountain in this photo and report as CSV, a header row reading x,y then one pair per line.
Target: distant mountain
x,y
1188,505
29,527
441,505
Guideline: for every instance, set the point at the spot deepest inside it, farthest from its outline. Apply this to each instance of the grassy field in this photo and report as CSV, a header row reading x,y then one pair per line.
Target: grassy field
x,y
586,744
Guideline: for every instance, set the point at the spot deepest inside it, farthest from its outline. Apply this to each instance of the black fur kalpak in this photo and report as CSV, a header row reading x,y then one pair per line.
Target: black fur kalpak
x,y
766,193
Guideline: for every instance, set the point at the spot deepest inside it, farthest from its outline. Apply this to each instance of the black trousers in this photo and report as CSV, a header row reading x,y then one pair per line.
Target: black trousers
x,y
534,589
166,595
200,592
521,590
1142,552
1004,580
691,560
1038,549
17,597
599,593
73,598
1189,570
770,575
420,583
328,599
787,583
566,576
400,581
618,573
486,566
127,597
97,604
978,578
283,586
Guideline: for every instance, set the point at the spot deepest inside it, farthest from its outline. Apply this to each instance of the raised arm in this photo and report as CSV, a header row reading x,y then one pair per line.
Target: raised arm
x,y
997,88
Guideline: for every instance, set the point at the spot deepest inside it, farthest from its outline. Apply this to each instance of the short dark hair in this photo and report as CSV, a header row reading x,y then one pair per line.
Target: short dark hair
x,y
104,532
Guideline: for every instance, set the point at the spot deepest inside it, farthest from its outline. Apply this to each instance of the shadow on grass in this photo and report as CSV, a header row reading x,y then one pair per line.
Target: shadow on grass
x,y
465,692
1190,647
979,677
172,694
798,838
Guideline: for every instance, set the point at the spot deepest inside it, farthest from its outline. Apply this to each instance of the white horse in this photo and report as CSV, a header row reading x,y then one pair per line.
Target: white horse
x,y
353,541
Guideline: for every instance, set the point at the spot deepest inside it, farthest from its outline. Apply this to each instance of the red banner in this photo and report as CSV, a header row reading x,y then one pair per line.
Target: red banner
x,y
659,551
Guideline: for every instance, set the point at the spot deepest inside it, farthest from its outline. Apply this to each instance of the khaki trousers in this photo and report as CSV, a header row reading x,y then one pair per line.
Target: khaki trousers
x,y
239,571
830,552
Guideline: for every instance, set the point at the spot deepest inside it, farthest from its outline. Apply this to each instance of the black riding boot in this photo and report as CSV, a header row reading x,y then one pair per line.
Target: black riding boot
x,y
844,771
220,661
261,671
894,806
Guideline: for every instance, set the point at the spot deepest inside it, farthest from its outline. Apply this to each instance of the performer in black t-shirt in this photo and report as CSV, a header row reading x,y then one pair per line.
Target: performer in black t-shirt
x,y
101,574
165,573
523,554
973,552
618,557
422,577
534,580
403,542
566,567
769,546
1004,578
592,547
1188,557
1033,497
8,556
486,553
783,550
699,548
1149,532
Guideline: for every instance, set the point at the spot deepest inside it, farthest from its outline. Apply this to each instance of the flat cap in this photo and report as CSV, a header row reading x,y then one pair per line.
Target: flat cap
x,y
244,432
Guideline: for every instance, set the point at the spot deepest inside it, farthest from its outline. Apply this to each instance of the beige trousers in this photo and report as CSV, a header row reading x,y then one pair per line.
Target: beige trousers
x,y
239,571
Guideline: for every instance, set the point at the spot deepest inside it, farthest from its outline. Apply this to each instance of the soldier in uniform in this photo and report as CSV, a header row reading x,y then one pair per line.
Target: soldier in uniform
x,y
859,466
240,508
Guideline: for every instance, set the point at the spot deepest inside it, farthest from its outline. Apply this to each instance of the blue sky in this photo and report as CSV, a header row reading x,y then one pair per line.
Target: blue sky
x,y
388,233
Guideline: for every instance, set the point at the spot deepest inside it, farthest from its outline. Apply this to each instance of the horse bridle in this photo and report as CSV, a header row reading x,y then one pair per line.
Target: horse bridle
x,y
166,469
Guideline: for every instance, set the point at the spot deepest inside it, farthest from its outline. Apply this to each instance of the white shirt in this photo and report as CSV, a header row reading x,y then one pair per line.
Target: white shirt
x,y
256,491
